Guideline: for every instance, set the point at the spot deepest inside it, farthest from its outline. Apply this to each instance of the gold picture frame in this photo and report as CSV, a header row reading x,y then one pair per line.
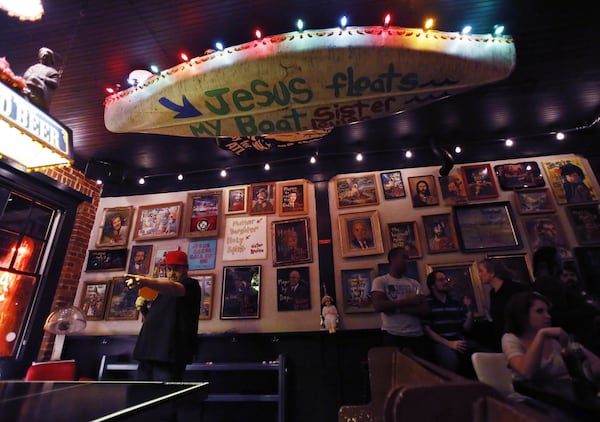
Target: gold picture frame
x,y
360,234
115,227
292,198
202,214
158,221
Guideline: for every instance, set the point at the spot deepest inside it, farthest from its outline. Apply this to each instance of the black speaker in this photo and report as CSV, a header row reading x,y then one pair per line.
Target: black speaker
x,y
102,170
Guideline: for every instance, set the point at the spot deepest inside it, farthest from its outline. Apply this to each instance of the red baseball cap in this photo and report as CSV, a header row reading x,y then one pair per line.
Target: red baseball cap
x,y
176,258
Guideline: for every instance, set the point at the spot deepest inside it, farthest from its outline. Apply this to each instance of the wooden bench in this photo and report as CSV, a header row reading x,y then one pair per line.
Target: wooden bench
x,y
112,367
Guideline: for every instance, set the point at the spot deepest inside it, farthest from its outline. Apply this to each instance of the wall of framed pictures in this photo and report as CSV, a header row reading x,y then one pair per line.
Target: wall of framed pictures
x,y
263,237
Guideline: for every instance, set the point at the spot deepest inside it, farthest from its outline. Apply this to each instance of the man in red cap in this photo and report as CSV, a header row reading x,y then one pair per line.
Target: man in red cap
x,y
168,338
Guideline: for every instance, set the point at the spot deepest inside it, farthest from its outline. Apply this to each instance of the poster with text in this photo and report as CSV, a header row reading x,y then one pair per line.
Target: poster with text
x,y
245,238
201,254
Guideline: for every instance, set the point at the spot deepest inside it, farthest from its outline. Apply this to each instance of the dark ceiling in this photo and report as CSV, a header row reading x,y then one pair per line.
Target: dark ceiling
x,y
555,85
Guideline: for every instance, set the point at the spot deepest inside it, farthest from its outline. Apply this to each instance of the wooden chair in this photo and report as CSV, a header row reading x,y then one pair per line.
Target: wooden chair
x,y
54,370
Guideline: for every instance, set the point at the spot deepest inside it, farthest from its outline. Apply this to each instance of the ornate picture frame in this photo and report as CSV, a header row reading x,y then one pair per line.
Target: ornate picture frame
x,y
121,301
202,214
236,200
479,180
158,221
440,233
486,227
392,185
356,288
262,198
464,281
355,191
534,201
291,242
240,298
93,299
292,198
363,225
406,235
115,227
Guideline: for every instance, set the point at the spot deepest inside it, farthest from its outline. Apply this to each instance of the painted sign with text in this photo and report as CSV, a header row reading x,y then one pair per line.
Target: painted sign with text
x,y
245,238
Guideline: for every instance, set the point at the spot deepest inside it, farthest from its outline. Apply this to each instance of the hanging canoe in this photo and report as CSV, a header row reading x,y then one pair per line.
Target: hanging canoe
x,y
303,83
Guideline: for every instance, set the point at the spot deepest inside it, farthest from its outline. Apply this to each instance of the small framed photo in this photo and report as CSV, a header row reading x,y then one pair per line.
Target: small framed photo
x,y
293,198
116,224
486,227
106,260
517,266
236,200
121,301
393,187
360,234
440,233
293,289
291,242
206,283
93,300
140,260
453,189
241,292
405,235
585,221
261,198
569,181
356,191
546,230
519,175
480,183
202,255
464,281
356,286
423,191
158,221
534,201
202,214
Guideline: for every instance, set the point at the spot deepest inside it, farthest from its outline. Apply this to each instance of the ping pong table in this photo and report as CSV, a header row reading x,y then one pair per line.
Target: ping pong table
x,y
98,401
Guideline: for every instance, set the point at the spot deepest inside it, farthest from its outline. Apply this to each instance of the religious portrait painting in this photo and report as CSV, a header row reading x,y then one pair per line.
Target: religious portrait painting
x,y
423,191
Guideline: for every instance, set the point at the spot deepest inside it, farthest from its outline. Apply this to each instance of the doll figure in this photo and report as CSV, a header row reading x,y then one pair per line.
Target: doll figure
x,y
329,314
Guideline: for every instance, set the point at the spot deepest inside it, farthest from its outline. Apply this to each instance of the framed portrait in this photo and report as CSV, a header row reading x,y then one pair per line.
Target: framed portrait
x,y
121,301
115,227
423,191
519,175
293,198
360,234
588,262
159,262
464,281
158,221
236,200
261,198
569,181
480,183
202,255
202,214
206,282
291,242
356,287
93,299
440,233
241,292
106,260
405,235
534,201
293,289
356,191
517,266
412,269
585,221
393,187
140,261
453,189
546,230
486,227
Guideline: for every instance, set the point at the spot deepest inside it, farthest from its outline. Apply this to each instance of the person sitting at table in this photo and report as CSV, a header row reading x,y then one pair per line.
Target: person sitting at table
x,y
533,346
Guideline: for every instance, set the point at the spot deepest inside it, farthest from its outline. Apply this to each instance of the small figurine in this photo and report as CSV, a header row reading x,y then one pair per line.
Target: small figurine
x,y
42,79
329,315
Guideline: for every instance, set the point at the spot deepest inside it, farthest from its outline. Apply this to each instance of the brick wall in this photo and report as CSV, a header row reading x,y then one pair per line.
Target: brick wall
x,y
77,248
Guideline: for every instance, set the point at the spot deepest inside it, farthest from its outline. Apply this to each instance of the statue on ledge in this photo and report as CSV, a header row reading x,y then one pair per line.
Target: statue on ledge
x,y
42,79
